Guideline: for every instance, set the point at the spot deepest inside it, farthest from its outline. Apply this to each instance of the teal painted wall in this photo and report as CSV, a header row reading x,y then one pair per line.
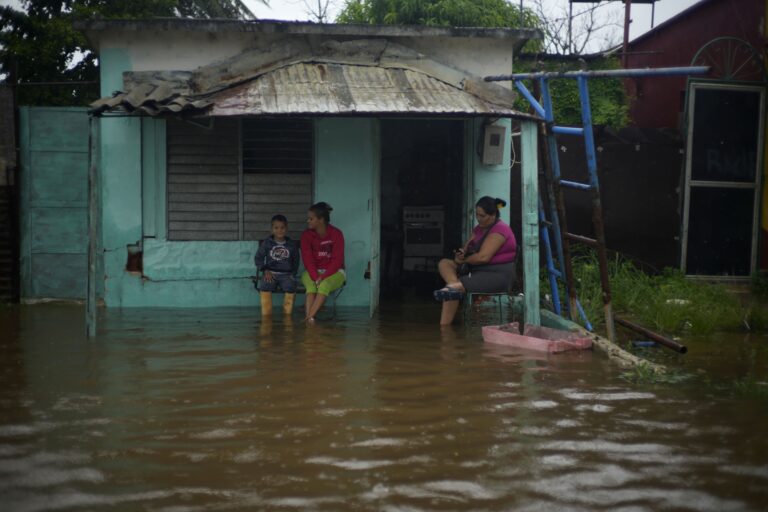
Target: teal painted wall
x,y
490,180
176,274
346,149
218,273
54,202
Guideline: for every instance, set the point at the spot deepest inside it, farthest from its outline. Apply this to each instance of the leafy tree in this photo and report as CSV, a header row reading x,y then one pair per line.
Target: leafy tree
x,y
607,97
447,13
54,64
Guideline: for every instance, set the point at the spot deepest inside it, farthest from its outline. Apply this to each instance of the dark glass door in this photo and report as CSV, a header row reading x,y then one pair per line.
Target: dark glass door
x,y
722,178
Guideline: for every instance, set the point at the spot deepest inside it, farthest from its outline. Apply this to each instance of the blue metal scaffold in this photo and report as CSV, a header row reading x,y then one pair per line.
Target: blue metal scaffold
x,y
554,228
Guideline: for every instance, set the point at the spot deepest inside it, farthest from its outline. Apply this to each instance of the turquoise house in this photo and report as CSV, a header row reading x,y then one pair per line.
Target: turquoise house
x,y
209,127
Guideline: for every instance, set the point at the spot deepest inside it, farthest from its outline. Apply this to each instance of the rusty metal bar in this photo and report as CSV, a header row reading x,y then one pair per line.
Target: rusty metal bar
x,y
575,184
597,207
658,338
583,239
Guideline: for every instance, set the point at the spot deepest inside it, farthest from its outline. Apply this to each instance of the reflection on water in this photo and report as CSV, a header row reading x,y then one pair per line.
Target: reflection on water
x,y
189,410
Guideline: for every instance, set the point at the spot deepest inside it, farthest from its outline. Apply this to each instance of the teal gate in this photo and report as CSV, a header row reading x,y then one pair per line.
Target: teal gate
x,y
54,202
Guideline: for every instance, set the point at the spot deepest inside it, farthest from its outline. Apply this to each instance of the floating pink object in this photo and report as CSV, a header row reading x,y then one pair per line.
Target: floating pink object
x,y
534,337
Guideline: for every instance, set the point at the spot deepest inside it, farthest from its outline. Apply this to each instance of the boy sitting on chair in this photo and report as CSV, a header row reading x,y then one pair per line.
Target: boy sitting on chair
x,y
278,260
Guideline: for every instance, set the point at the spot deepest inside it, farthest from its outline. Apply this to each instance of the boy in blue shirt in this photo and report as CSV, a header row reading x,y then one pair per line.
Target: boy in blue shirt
x,y
278,260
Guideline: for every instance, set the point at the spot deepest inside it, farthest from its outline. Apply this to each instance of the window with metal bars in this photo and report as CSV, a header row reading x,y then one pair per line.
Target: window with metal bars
x,y
226,181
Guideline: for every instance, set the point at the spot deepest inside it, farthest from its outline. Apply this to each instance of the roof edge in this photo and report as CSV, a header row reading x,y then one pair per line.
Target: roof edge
x,y
670,21
303,27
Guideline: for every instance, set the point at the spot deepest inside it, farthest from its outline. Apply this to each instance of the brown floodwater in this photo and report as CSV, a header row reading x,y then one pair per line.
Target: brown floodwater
x,y
213,409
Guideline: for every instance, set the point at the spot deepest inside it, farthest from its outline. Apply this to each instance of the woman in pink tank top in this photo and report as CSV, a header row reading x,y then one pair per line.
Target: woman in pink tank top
x,y
486,263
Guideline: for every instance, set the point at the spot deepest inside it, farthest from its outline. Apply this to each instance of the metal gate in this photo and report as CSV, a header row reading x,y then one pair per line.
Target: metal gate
x,y
54,202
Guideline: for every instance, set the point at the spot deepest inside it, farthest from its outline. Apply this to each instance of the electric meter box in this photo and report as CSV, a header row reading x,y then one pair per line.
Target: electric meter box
x,y
493,145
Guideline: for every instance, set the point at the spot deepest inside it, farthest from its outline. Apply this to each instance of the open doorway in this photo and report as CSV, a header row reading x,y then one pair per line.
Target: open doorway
x,y
422,183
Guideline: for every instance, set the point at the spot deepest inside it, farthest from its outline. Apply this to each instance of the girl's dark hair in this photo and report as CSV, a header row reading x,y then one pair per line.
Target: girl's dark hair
x,y
491,205
279,218
322,210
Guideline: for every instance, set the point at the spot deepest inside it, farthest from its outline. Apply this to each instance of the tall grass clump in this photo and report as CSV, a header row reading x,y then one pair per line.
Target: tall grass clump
x,y
667,303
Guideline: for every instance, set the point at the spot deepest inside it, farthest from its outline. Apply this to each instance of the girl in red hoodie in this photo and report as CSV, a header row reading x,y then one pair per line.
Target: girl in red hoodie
x,y
322,251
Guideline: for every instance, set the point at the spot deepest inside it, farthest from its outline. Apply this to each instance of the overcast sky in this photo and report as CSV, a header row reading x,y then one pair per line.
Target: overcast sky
x,y
641,13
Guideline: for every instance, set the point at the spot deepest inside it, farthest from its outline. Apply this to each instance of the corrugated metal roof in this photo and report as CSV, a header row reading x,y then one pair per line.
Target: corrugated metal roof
x,y
327,88
151,100
370,76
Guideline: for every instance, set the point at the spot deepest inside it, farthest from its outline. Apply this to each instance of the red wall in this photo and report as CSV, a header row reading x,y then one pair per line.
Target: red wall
x,y
658,101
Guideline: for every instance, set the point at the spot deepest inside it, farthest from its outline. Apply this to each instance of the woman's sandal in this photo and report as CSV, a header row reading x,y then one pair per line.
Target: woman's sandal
x,y
448,293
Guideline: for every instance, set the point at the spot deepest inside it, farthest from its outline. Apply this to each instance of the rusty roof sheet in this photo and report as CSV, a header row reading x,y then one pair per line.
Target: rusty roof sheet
x,y
330,88
371,76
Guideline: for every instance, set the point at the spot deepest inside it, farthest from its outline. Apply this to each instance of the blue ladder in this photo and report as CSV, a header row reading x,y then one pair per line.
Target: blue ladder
x,y
555,229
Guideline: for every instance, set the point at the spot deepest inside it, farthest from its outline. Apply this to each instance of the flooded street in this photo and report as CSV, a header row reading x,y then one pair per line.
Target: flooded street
x,y
212,409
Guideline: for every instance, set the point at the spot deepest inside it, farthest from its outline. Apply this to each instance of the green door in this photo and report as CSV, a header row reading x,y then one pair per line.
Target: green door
x,y
54,202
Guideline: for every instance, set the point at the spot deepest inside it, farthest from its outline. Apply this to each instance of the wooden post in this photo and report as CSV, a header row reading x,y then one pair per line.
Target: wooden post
x,y
530,217
93,225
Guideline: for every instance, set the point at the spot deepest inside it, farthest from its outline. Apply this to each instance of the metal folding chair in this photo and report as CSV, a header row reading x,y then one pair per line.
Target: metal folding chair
x,y
498,297
332,298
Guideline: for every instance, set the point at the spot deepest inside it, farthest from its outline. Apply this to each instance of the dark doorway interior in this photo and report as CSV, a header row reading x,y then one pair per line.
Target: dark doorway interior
x,y
422,167
723,181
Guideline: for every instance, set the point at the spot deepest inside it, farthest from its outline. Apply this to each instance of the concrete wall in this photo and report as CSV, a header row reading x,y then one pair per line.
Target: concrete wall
x,y
488,180
183,51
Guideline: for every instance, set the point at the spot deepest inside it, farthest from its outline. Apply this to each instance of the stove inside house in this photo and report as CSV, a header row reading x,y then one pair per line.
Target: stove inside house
x,y
424,237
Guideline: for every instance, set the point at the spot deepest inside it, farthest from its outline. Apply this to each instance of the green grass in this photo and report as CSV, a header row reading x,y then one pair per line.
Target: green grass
x,y
667,303
645,374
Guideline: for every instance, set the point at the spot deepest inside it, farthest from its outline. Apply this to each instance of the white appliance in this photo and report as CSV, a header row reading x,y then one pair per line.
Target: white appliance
x,y
424,229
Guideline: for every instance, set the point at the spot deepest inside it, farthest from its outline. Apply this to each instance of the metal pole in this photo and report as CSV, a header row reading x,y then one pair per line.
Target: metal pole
x,y
603,73
627,21
557,202
658,338
93,223
597,207
570,25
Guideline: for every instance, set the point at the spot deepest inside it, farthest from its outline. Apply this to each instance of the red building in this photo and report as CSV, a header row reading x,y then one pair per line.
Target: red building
x,y
660,102
721,115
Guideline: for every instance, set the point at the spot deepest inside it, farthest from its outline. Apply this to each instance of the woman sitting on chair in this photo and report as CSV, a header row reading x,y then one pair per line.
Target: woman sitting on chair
x,y
486,263
322,251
